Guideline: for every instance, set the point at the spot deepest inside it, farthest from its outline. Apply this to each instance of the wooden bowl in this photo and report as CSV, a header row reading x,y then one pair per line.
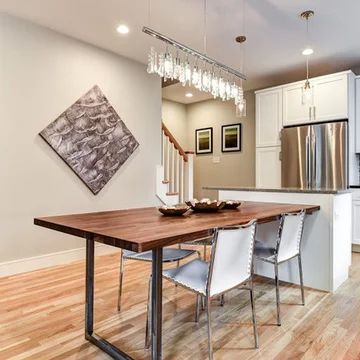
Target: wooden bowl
x,y
205,206
176,210
232,204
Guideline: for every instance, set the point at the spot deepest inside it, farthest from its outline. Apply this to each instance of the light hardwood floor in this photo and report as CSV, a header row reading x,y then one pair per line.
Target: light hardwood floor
x,y
41,317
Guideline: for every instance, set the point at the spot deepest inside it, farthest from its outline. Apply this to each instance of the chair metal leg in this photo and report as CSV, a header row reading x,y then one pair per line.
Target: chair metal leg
x,y
178,262
301,280
276,265
222,300
197,309
156,304
121,275
208,310
256,337
148,317
204,252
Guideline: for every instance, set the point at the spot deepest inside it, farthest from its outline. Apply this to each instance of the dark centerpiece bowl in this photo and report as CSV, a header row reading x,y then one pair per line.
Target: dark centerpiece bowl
x,y
174,210
232,204
205,205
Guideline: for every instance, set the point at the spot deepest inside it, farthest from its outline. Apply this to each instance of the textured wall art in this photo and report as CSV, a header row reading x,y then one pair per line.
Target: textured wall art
x,y
92,139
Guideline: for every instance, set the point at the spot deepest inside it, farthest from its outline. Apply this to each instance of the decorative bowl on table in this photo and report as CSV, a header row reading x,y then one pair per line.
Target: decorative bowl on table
x,y
205,205
174,210
232,204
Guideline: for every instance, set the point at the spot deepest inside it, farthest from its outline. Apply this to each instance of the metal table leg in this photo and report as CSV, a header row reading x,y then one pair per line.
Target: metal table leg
x,y
101,343
156,305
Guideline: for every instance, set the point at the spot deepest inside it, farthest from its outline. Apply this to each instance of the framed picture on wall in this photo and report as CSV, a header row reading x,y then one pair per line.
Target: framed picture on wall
x,y
231,138
204,140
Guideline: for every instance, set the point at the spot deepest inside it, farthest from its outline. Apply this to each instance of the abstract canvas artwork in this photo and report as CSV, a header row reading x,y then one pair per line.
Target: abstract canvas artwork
x,y
231,138
92,139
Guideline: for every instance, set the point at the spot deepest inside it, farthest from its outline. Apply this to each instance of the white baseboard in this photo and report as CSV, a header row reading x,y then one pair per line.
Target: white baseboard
x,y
43,261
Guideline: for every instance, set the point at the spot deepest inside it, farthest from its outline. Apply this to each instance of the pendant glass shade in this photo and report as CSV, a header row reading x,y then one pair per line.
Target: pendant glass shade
x,y
241,108
307,94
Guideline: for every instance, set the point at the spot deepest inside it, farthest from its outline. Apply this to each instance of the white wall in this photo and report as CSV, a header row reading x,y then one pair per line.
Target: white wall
x,y
175,119
42,73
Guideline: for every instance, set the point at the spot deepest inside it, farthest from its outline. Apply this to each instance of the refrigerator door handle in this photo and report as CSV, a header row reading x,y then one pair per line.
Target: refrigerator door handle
x,y
307,162
313,179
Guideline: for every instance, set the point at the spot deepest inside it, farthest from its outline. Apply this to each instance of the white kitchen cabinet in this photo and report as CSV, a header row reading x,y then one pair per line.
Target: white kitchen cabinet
x,y
356,222
357,113
268,117
330,98
268,167
294,111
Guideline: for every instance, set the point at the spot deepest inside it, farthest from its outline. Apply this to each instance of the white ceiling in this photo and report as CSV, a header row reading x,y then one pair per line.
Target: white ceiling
x,y
177,93
276,34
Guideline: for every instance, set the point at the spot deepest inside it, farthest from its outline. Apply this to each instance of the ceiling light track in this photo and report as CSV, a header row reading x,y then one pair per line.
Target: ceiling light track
x,y
193,52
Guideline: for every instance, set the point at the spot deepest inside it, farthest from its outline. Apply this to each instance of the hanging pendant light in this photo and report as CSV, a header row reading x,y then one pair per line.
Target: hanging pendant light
x,y
240,101
307,96
191,67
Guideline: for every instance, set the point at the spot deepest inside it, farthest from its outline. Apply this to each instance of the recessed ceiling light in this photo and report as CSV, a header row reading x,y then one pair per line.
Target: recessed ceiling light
x,y
189,95
122,29
308,51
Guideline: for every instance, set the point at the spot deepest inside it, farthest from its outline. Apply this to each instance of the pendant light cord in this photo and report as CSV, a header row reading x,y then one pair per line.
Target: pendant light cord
x,y
307,56
242,45
149,13
205,26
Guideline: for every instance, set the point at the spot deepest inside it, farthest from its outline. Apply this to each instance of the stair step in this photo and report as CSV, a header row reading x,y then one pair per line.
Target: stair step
x,y
172,193
165,181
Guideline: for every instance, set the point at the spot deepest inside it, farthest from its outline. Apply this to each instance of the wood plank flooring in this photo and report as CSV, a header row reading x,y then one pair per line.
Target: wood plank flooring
x,y
41,317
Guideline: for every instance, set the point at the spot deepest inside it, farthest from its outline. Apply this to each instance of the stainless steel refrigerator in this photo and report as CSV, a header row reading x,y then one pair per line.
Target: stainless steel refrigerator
x,y
315,156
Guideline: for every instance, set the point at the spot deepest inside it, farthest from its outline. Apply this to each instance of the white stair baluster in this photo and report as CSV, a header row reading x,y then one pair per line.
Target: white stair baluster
x,y
167,159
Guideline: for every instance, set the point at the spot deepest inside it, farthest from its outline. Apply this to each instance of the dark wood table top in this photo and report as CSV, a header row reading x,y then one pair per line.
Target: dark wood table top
x,y
145,229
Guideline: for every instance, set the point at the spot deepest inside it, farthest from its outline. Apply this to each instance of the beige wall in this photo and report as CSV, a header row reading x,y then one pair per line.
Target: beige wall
x,y
41,74
234,169
174,117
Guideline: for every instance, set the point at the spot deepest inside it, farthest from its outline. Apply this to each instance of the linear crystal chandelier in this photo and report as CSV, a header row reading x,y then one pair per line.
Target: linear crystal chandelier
x,y
190,67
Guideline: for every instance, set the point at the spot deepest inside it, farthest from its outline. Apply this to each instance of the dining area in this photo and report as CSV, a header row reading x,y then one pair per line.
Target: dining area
x,y
117,116
146,236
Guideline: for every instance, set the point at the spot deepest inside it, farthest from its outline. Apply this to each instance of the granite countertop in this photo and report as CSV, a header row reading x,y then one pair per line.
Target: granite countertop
x,y
289,190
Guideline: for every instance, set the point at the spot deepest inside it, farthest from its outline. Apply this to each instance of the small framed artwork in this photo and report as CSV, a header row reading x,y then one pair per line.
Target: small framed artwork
x,y
231,138
204,140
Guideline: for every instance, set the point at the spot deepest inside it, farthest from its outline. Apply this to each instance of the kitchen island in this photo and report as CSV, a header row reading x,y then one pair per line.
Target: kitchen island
x,y
326,245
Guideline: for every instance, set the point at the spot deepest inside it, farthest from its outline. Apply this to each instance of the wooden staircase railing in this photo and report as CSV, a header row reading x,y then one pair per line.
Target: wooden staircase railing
x,y
177,165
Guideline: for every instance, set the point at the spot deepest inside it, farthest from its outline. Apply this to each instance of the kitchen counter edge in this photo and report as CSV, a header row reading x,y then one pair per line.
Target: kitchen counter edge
x,y
287,190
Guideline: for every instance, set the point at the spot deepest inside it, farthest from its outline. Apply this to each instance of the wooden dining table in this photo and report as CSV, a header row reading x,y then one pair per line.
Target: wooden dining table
x,y
146,229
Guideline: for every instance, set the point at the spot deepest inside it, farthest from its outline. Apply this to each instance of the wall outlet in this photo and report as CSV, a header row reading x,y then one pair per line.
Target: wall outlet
x,y
216,159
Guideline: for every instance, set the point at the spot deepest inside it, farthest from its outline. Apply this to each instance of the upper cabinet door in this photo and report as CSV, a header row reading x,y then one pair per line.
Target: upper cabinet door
x,y
357,114
330,98
268,167
268,118
293,110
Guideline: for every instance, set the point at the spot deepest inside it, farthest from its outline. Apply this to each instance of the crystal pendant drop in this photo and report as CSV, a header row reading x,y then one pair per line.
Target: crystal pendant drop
x,y
188,74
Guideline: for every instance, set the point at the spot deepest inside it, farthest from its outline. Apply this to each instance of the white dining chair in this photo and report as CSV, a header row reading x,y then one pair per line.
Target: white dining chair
x,y
170,255
230,267
287,247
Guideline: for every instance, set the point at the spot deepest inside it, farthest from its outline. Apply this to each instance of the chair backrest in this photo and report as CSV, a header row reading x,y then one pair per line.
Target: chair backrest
x,y
290,234
231,257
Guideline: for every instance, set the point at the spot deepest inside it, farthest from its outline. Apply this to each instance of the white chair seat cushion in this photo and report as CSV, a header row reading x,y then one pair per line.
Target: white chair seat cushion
x,y
192,275
169,254
264,251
